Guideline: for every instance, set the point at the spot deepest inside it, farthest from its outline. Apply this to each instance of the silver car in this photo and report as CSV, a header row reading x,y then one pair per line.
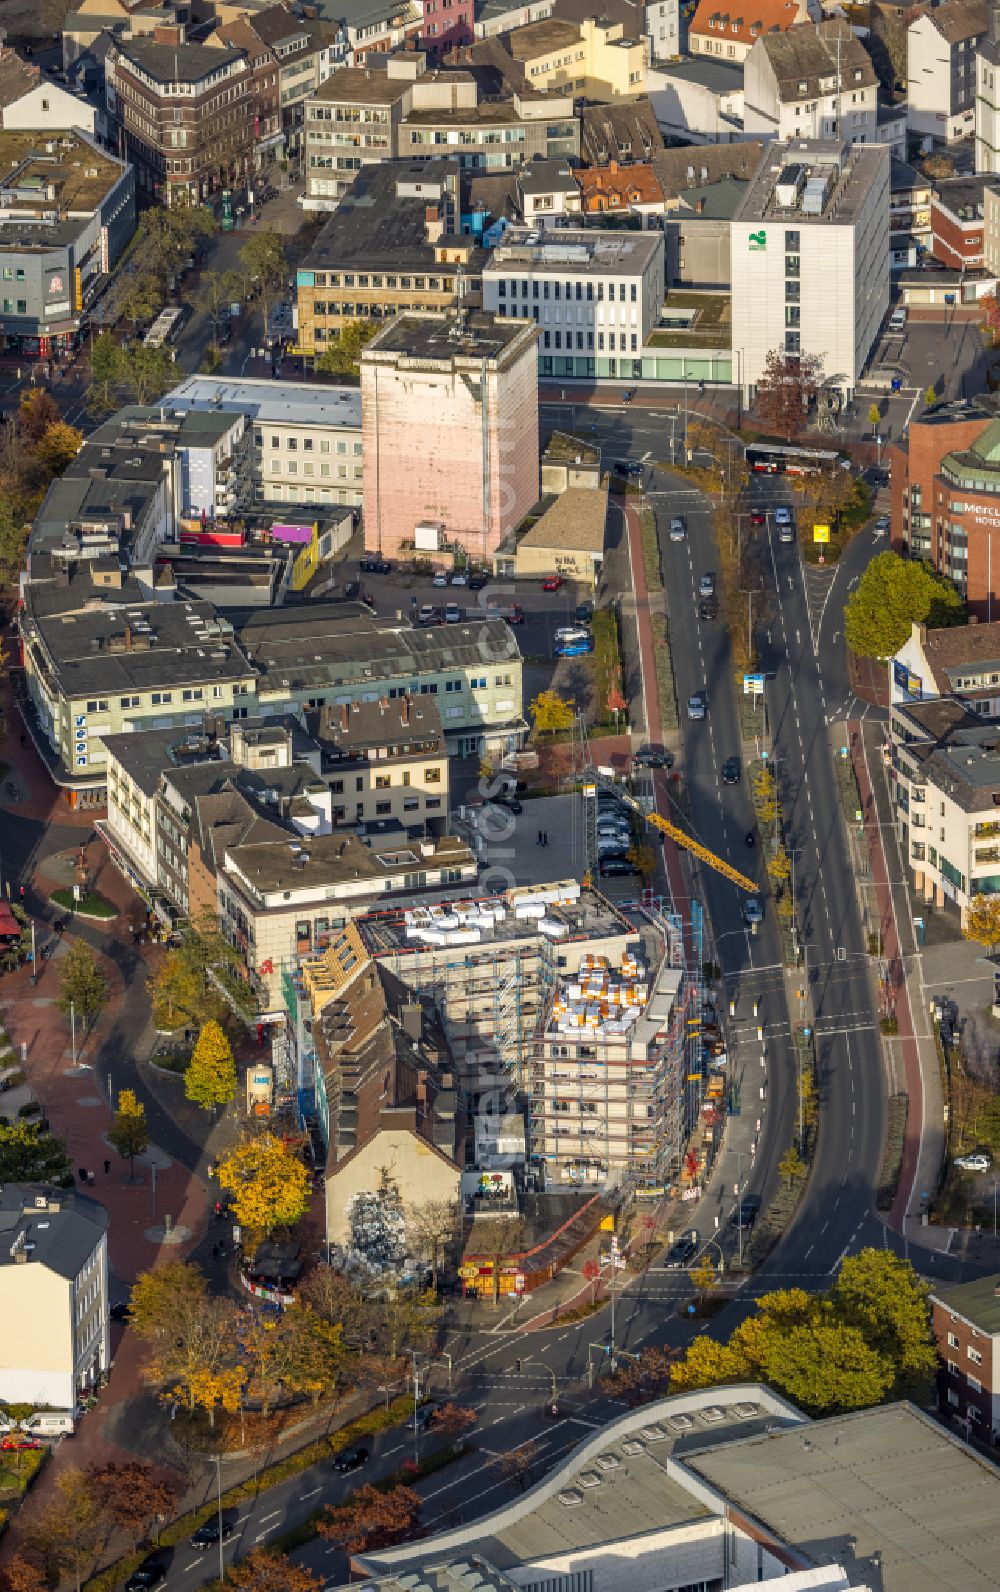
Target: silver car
x,y
697,706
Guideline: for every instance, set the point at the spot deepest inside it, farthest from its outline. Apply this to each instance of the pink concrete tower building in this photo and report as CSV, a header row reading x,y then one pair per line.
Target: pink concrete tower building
x,y
449,418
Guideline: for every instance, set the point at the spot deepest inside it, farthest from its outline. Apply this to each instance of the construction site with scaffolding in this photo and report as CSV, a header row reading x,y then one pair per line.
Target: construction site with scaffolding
x,y
559,1005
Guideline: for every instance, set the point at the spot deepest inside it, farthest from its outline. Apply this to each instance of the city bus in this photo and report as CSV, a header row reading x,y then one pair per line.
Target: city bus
x,y
165,328
779,458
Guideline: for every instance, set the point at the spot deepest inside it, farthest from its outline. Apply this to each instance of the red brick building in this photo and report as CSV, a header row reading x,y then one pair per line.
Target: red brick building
x,y
957,224
965,1321
946,499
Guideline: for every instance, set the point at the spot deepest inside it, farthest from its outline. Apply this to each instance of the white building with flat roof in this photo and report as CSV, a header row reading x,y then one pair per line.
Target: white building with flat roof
x,y
588,292
810,258
306,436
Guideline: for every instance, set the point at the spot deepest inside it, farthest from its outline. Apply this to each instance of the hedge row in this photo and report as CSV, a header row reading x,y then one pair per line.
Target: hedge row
x,y
892,1155
665,689
650,550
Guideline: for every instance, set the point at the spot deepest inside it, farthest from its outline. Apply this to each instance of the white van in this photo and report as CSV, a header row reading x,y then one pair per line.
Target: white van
x,y
897,320
50,1423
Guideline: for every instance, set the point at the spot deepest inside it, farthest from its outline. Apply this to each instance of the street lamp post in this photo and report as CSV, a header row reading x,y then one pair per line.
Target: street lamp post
x,y
72,1030
218,1494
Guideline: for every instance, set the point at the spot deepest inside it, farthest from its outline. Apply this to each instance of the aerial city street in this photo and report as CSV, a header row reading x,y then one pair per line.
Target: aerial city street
x,y
500,786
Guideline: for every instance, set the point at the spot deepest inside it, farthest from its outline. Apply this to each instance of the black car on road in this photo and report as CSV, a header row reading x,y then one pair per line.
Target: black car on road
x,y
150,1573
653,757
350,1459
685,1248
208,1535
732,769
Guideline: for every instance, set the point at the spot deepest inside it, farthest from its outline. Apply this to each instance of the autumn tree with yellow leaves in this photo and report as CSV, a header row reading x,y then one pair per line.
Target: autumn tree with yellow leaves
x,y
267,1183
210,1079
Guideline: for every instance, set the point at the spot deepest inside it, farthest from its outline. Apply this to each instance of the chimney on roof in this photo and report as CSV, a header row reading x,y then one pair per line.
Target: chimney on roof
x,y
433,224
404,710
345,718
168,33
699,205
383,703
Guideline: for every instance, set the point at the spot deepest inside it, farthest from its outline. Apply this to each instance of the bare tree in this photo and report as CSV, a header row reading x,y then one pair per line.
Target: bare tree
x,y
434,1229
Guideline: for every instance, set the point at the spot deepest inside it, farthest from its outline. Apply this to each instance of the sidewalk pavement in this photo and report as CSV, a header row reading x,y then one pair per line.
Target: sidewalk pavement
x,y
912,1050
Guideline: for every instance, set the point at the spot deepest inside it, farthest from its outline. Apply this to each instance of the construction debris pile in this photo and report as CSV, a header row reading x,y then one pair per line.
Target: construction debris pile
x,y
602,998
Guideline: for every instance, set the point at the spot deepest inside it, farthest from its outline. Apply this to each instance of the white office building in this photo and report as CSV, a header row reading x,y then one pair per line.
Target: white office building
x,y
810,258
590,293
306,437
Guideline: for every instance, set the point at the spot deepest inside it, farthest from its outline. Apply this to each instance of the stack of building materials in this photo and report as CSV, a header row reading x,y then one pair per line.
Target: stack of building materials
x,y
602,999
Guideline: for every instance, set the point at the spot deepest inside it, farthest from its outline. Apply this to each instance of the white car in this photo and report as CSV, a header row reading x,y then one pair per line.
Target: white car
x,y
439,578
973,1163
697,706
460,578
882,524
678,528
782,515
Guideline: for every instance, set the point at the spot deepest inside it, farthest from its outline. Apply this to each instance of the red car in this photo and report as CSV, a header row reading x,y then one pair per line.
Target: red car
x,y
19,1440
758,517
552,583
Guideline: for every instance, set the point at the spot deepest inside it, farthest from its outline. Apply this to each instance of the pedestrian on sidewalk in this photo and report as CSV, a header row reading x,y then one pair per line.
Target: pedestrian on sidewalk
x,y
81,1173
91,1179
107,1169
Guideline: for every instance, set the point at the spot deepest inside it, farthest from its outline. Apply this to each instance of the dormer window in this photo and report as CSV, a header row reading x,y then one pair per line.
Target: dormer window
x,y
857,74
803,87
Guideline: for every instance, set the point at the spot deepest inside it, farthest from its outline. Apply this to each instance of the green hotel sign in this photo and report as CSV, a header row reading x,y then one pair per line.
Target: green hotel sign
x,y
757,241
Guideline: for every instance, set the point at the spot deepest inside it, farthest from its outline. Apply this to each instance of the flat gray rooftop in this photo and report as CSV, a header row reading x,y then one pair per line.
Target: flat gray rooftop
x,y
288,403
886,1492
588,918
859,166
575,251
448,337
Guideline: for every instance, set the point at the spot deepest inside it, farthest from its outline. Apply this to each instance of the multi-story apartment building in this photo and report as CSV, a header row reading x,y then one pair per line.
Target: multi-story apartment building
x,y
492,965
960,662
391,246
945,782
67,211
731,35
446,24
987,106
593,58
382,1084
362,117
385,761
297,47
941,49
909,215
449,411
965,1321
375,27
54,1324
268,134
184,113
812,81
958,222
589,293
306,439
332,654
810,258
607,1089
280,901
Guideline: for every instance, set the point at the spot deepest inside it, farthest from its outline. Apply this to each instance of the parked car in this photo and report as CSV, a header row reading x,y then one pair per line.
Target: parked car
x,y
653,757
732,769
570,633
977,1162
575,648
460,577
614,867
350,1459
748,1210
552,583
678,528
426,614
150,1573
584,613
50,1423
897,320
19,1440
452,614
697,706
478,579
753,912
439,578
375,564
683,1250
510,802
208,1535
119,1311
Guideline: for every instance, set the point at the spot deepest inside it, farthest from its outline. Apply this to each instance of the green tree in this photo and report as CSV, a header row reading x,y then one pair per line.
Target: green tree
x,y
314,1351
214,291
892,595
142,297
129,1130
147,372
982,921
264,266
792,1166
82,984
930,395
210,1079
874,416
343,356
551,712
13,538
189,985
30,1156
106,374
880,1293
